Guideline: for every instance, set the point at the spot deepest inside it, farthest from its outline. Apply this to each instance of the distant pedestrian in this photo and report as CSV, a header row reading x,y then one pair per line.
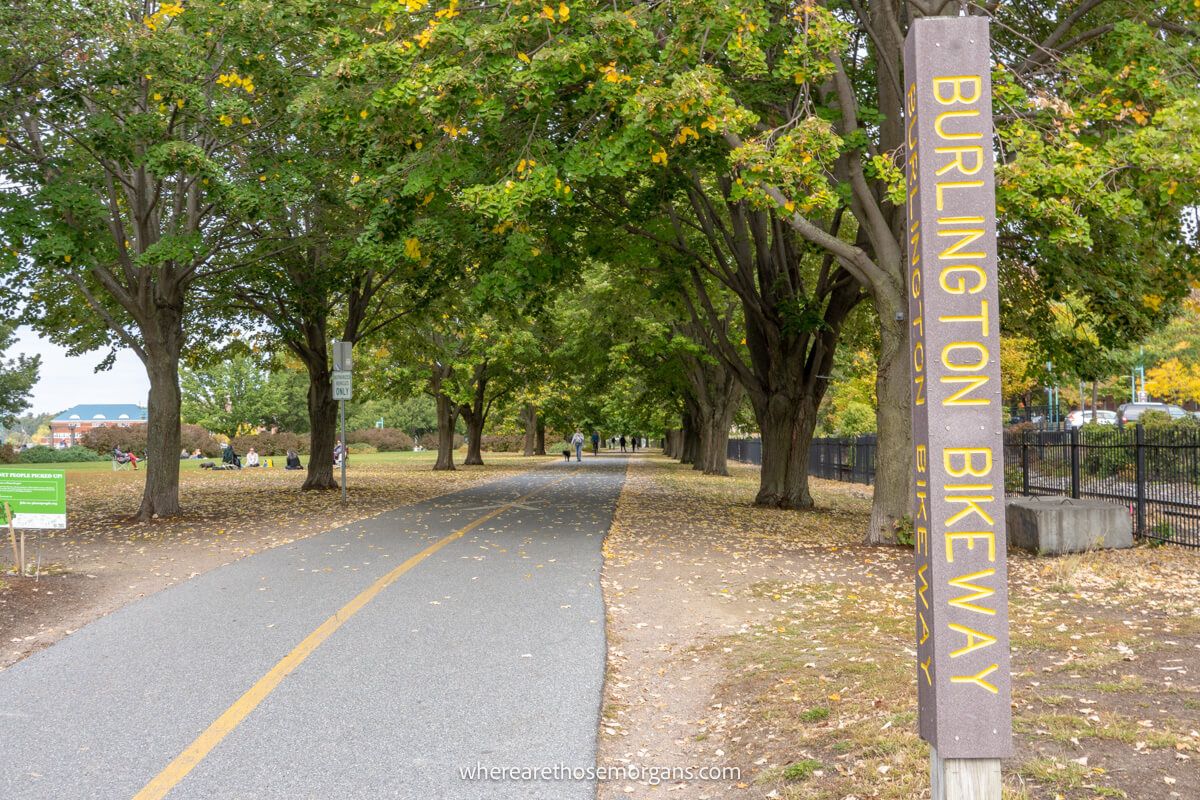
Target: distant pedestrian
x,y
577,442
623,450
595,443
634,442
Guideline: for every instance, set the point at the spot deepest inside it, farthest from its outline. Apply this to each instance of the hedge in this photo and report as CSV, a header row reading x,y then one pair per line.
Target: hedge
x,y
384,440
271,444
55,455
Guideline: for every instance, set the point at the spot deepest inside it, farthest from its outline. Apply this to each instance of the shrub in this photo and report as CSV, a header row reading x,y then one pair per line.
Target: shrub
x,y
8,454
53,455
856,419
103,440
430,441
384,440
193,436
508,443
361,447
271,444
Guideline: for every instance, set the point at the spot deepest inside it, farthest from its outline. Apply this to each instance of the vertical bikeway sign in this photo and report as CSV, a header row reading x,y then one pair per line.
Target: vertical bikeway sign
x,y
958,509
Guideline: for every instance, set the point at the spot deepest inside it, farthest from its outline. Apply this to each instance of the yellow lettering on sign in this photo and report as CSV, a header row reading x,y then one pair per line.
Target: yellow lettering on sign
x,y
914,283
941,187
976,592
959,398
959,151
922,458
968,456
939,127
922,540
965,237
975,640
969,537
924,585
925,669
970,270
955,84
978,679
980,355
924,629
981,317
972,507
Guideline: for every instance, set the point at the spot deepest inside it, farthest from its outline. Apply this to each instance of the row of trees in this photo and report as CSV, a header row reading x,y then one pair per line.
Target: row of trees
x,y
633,212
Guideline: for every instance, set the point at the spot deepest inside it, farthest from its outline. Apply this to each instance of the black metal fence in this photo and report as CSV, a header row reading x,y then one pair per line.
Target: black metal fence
x,y
845,458
1154,472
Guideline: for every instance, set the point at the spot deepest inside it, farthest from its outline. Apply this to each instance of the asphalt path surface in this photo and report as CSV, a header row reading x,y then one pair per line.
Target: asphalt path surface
x,y
489,652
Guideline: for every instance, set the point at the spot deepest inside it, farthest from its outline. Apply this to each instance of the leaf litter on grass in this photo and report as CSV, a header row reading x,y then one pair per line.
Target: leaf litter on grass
x,y
797,644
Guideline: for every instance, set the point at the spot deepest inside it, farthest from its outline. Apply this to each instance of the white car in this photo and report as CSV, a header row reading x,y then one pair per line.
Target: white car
x,y
1077,419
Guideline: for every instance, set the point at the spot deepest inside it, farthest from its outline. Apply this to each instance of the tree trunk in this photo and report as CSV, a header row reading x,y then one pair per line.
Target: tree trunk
x,y
160,497
476,414
474,434
787,429
690,438
541,437
322,421
892,501
447,414
714,432
1094,392
530,417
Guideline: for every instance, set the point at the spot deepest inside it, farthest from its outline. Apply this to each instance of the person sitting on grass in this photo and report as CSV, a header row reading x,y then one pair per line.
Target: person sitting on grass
x,y
252,458
293,460
230,459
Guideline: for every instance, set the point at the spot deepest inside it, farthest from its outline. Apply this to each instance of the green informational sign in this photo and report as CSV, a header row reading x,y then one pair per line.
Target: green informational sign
x,y
38,498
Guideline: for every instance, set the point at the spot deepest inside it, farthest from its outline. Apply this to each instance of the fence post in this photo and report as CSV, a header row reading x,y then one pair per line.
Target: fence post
x,y
1074,437
1025,463
1139,460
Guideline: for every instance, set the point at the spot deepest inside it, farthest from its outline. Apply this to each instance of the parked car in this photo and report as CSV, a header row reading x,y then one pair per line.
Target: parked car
x,y
1131,412
1077,419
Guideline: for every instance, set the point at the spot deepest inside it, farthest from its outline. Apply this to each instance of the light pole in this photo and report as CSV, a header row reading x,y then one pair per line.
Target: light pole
x,y
71,427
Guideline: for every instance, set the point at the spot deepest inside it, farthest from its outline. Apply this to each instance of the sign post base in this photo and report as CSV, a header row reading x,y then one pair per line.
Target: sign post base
x,y
964,778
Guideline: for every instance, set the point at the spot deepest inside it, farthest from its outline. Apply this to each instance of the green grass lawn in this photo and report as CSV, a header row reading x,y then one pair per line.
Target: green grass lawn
x,y
81,467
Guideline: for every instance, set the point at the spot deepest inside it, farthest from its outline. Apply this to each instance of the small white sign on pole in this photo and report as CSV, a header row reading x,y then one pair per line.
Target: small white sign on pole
x,y
343,385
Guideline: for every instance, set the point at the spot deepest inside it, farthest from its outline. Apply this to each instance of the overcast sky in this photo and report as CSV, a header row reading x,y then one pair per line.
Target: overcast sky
x,y
65,381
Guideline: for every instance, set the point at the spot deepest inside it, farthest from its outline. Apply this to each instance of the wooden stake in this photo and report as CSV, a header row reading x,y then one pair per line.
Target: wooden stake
x,y
22,568
12,534
964,778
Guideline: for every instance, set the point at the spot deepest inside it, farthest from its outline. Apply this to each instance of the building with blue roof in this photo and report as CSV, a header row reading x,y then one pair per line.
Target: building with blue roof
x,y
69,427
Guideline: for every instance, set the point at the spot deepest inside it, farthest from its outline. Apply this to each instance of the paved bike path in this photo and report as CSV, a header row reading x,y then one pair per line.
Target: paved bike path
x,y
490,651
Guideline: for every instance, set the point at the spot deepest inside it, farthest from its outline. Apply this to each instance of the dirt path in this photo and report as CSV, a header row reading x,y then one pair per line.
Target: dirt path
x,y
773,644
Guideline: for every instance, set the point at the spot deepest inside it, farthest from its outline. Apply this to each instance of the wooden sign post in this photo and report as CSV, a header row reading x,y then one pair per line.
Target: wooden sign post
x,y
958,509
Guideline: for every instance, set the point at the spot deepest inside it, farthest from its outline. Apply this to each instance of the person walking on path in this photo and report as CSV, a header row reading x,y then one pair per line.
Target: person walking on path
x,y
623,450
595,443
577,441
633,443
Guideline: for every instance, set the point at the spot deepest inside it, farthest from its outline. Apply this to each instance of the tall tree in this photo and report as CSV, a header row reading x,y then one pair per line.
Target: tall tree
x,y
17,376
121,121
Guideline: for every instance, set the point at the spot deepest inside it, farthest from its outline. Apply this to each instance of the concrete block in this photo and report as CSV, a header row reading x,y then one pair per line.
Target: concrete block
x,y
1057,525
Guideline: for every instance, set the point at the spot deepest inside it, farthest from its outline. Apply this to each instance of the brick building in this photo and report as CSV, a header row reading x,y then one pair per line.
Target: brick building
x,y
69,427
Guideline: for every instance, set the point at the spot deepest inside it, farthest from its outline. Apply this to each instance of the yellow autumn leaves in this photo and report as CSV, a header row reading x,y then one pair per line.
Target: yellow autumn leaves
x,y
165,13
561,15
232,80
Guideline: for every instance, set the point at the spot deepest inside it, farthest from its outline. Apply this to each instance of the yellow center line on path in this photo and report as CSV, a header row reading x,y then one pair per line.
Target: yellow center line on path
x,y
186,761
